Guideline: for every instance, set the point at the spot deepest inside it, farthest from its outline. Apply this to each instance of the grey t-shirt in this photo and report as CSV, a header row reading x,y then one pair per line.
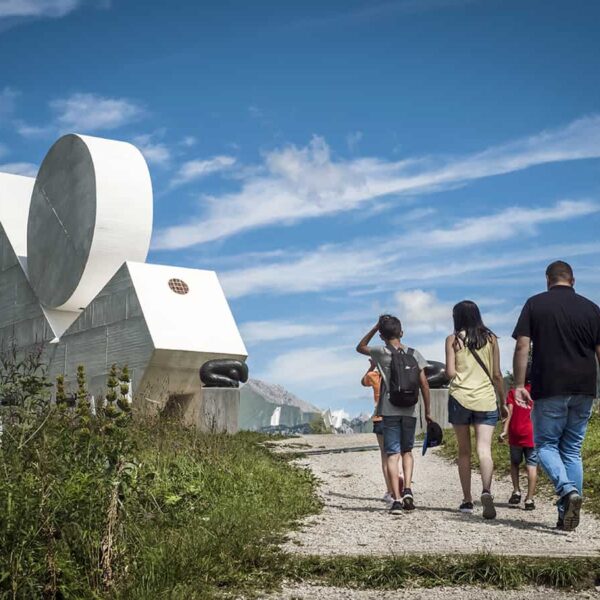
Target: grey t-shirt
x,y
383,357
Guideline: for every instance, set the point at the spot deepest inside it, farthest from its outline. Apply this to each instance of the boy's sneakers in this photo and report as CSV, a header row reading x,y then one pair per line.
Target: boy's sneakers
x,y
407,499
489,510
388,498
572,508
515,499
466,507
396,508
529,504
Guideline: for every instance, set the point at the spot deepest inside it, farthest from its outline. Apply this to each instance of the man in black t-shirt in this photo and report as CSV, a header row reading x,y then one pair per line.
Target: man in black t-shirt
x,y
564,331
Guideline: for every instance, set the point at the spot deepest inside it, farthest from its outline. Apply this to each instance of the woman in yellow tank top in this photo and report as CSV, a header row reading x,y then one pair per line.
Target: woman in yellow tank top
x,y
473,364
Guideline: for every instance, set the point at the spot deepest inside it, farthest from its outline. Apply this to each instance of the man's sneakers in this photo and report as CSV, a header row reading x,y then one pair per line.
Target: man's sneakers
x,y
572,508
489,510
529,504
388,498
407,499
515,499
466,507
396,508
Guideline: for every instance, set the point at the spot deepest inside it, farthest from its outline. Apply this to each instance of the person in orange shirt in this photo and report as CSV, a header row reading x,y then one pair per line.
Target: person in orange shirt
x,y
372,379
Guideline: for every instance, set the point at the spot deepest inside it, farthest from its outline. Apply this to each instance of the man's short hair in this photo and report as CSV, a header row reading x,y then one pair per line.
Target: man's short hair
x,y
559,270
390,327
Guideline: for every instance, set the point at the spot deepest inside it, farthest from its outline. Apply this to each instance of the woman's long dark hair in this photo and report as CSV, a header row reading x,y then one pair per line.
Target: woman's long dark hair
x,y
467,318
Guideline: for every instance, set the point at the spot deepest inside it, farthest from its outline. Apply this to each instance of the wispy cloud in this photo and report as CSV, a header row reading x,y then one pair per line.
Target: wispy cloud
x,y
356,268
20,168
8,97
300,183
270,331
37,8
503,225
82,112
156,153
321,367
198,169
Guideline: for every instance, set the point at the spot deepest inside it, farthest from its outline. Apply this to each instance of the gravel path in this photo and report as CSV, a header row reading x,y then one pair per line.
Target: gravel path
x,y
310,592
354,520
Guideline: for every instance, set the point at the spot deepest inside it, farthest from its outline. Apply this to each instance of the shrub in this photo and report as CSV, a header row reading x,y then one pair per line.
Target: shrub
x,y
94,507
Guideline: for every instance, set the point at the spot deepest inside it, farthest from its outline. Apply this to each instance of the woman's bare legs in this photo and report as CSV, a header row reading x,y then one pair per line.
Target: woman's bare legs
x,y
483,436
463,437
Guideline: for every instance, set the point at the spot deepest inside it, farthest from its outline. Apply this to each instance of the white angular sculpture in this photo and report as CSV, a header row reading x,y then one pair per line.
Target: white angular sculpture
x,y
91,210
72,277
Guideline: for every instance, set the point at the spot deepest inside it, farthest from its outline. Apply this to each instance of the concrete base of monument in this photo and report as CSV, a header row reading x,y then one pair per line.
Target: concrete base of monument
x,y
217,410
439,410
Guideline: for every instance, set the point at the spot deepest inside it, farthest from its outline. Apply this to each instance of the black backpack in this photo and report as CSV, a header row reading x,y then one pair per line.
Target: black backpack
x,y
404,378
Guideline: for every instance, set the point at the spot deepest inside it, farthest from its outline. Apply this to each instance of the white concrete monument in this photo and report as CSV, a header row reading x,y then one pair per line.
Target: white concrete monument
x,y
72,277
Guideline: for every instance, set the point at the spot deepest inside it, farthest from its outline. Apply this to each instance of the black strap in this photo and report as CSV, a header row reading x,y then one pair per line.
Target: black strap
x,y
482,365
478,359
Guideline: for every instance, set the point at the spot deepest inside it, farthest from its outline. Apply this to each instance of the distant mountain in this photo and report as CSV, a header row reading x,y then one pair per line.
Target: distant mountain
x,y
277,394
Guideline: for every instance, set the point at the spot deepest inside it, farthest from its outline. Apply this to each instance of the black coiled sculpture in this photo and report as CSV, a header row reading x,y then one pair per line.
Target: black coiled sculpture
x,y
436,375
223,373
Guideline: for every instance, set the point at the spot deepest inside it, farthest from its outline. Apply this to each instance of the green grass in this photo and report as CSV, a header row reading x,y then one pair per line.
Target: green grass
x,y
500,453
394,572
201,515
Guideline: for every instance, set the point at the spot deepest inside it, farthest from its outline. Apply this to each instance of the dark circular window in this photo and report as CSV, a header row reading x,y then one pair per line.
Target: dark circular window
x,y
179,286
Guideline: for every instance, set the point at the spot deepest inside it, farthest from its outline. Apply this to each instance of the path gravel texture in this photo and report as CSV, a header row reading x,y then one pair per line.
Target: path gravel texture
x,y
355,521
312,592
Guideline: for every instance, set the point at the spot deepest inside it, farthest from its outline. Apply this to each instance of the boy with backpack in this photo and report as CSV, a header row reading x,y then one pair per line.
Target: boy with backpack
x,y
403,376
372,379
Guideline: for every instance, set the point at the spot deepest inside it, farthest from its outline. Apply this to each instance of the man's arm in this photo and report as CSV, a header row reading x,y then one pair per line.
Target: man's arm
x,y
424,384
520,360
363,345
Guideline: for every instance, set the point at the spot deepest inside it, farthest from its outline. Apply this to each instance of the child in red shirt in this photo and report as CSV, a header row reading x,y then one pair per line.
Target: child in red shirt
x,y
519,428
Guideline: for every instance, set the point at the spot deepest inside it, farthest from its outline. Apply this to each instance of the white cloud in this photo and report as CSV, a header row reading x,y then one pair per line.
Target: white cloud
x,y
330,268
197,169
423,311
90,112
300,183
269,331
37,8
503,225
33,131
156,153
20,168
8,97
188,141
320,368
353,139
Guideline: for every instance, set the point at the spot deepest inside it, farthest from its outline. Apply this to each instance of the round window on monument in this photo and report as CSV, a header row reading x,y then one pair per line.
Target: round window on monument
x,y
179,286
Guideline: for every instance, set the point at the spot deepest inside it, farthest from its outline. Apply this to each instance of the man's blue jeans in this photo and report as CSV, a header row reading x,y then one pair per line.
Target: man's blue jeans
x,y
559,426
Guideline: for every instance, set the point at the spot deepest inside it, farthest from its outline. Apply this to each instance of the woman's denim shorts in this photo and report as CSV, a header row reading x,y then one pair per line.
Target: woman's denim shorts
x,y
459,415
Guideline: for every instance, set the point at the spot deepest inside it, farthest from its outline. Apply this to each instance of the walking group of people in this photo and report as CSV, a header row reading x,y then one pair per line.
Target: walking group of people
x,y
545,414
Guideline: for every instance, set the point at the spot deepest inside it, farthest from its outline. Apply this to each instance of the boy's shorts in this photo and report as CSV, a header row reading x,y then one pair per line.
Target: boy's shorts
x,y
518,453
378,427
459,415
398,434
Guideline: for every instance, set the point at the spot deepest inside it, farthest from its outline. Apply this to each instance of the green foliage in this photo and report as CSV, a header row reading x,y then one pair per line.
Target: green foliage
x,y
393,572
98,507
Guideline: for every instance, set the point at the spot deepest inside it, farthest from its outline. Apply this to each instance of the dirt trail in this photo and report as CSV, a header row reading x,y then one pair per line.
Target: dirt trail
x,y
354,519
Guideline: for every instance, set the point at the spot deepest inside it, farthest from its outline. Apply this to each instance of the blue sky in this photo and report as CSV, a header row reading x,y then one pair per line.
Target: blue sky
x,y
334,159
